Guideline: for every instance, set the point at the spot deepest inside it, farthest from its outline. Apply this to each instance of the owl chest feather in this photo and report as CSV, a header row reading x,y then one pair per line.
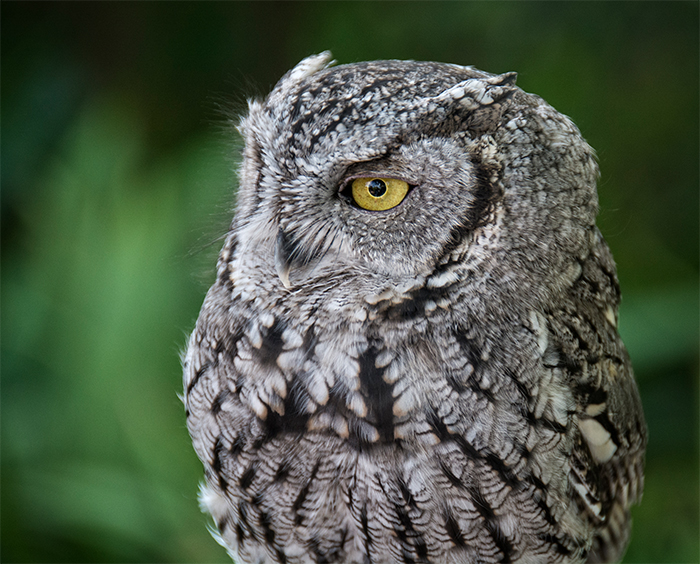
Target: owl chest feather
x,y
364,435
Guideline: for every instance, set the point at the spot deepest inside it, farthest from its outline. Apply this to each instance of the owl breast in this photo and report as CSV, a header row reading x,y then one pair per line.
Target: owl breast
x,y
383,439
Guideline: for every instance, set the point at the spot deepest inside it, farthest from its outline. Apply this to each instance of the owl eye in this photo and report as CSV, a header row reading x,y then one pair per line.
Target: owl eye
x,y
378,194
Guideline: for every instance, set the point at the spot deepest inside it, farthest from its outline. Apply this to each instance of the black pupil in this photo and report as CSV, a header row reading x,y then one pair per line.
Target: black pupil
x,y
376,188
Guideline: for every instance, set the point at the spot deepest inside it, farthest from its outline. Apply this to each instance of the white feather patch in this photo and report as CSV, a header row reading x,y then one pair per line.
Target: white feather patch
x,y
598,439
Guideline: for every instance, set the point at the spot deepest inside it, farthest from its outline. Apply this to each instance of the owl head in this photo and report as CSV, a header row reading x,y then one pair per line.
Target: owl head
x,y
396,173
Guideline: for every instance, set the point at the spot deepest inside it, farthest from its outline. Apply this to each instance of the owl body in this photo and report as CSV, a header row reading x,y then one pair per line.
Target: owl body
x,y
436,381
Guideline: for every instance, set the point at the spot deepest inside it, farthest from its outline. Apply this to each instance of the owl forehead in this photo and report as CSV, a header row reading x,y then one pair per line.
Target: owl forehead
x,y
380,99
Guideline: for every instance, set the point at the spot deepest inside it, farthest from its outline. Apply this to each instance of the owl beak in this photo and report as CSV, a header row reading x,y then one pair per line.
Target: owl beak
x,y
282,262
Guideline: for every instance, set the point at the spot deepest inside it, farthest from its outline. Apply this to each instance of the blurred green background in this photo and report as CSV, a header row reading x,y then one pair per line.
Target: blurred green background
x,y
117,183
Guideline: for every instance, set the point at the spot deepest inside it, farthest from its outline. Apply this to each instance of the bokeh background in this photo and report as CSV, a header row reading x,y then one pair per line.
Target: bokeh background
x,y
117,183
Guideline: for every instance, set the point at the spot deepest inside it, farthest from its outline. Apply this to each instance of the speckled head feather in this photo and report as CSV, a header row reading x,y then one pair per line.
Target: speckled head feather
x,y
410,352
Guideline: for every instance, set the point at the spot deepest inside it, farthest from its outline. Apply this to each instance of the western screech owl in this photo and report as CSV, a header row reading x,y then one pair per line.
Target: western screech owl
x,y
410,351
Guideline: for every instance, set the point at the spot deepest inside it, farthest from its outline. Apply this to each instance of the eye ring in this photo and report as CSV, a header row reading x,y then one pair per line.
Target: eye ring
x,y
375,193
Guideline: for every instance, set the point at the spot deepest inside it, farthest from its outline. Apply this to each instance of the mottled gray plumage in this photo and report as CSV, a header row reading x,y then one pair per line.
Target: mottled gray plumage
x,y
438,382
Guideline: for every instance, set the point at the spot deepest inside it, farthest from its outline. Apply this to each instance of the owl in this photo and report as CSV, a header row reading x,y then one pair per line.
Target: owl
x,y
410,352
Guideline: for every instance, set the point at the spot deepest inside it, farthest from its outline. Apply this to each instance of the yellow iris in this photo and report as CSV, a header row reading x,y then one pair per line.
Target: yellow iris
x,y
378,194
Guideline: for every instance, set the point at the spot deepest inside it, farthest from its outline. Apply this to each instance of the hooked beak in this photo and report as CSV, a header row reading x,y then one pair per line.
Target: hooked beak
x,y
282,259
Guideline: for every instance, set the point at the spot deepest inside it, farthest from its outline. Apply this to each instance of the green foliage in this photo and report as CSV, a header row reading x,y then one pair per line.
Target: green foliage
x,y
96,301
117,183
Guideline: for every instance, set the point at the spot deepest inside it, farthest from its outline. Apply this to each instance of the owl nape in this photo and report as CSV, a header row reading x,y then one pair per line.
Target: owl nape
x,y
410,352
